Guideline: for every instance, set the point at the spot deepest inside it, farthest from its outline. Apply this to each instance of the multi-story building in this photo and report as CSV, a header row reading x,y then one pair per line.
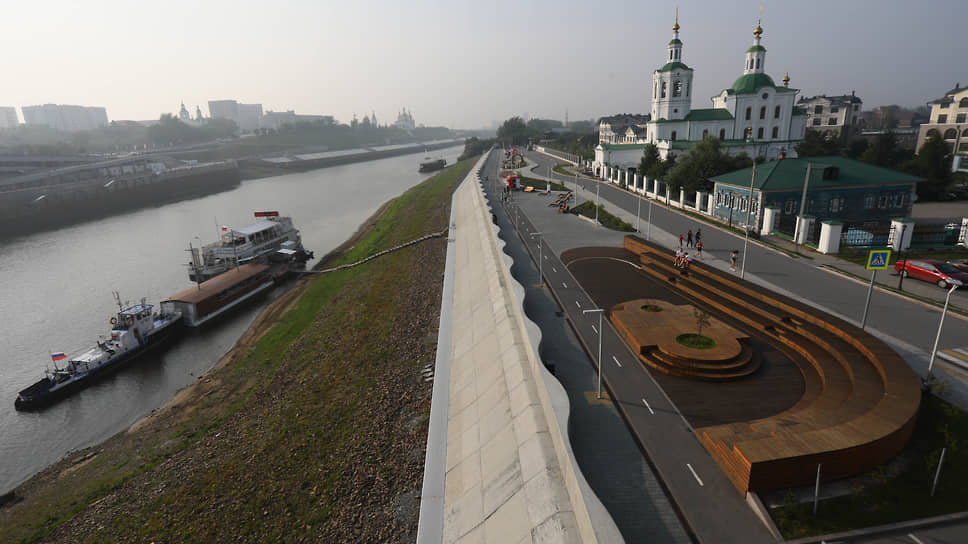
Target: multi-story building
x,y
754,116
8,117
248,117
836,117
65,118
275,119
949,120
224,109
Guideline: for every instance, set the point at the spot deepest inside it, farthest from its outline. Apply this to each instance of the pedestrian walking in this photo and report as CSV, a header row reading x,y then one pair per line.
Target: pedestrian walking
x,y
699,249
680,240
732,260
689,238
698,235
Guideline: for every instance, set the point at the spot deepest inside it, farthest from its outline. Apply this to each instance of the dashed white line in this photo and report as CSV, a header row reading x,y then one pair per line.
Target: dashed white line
x,y
594,329
616,361
565,285
647,406
577,304
546,257
693,471
914,538
555,269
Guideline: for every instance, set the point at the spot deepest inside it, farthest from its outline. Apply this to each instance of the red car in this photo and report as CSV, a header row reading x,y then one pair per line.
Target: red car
x,y
931,270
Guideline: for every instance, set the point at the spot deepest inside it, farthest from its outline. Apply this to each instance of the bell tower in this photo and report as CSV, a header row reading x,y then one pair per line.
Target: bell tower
x,y
672,83
756,54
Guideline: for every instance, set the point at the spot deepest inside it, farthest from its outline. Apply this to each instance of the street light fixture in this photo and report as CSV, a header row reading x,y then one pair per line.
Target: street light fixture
x,y
597,204
540,257
599,311
749,212
934,351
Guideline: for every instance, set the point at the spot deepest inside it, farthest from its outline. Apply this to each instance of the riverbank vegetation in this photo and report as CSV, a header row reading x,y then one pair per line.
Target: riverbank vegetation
x,y
312,428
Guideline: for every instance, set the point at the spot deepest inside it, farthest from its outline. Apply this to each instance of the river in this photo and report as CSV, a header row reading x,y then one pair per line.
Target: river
x,y
56,295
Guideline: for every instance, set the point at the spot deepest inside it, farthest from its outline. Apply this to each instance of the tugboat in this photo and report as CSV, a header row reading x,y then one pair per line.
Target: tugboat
x,y
134,330
430,165
253,243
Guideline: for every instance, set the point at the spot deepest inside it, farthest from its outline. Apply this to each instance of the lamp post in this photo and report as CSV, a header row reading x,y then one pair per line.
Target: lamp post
x,y
599,311
934,351
638,212
597,189
803,203
749,212
648,236
540,258
900,278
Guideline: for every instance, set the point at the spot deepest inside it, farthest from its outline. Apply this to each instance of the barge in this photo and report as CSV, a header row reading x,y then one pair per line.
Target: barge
x,y
200,304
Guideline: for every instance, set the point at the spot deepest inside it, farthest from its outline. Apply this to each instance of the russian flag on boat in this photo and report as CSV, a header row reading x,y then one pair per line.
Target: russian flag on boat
x,y
58,356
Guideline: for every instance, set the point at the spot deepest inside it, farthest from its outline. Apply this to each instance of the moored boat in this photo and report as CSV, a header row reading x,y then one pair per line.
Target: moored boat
x,y
134,330
211,298
430,165
252,243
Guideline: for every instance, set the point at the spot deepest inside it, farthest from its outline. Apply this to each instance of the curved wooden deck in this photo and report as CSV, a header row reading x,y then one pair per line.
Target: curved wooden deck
x,y
860,401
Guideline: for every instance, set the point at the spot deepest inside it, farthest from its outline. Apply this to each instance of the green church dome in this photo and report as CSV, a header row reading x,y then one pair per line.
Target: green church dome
x,y
751,83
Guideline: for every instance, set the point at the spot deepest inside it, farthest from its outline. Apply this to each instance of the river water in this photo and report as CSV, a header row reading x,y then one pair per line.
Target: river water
x,y
56,295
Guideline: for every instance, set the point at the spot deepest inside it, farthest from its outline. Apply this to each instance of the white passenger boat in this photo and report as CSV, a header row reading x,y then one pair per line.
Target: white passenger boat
x,y
253,243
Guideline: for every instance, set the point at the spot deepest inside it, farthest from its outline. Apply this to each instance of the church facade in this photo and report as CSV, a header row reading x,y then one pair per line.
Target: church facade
x,y
754,115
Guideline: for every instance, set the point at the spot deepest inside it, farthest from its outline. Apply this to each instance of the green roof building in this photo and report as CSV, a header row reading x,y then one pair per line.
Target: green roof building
x,y
853,192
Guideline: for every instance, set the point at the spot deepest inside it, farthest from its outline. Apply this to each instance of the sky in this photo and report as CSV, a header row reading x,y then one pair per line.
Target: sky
x,y
463,64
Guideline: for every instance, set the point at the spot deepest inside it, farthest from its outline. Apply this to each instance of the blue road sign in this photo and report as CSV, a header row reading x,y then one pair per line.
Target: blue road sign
x,y
878,259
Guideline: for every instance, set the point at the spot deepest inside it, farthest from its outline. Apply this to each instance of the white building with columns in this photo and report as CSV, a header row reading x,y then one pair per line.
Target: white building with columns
x,y
754,115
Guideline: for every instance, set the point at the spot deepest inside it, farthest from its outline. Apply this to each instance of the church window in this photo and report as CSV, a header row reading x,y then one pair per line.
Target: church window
x,y
942,119
818,109
749,113
655,89
960,118
776,132
832,121
673,138
776,113
670,54
722,134
950,134
759,133
676,88
663,89
963,103
763,112
686,85
765,96
757,63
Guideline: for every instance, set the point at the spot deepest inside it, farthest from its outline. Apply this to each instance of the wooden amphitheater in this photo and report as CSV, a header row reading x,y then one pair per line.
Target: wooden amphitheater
x,y
860,398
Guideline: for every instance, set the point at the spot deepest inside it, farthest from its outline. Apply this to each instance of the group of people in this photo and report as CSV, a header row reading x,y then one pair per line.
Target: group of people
x,y
689,241
563,207
683,260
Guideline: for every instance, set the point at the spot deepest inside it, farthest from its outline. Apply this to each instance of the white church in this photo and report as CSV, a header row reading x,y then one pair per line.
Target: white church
x,y
754,116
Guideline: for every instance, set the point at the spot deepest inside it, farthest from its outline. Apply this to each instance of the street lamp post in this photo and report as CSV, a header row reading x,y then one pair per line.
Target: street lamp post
x,y
749,212
638,212
599,311
597,189
934,350
648,235
540,255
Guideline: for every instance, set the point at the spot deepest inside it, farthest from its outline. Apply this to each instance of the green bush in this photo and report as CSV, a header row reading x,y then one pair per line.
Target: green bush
x,y
607,220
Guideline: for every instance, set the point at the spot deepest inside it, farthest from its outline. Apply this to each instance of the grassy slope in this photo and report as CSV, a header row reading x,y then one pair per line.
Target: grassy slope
x,y
317,433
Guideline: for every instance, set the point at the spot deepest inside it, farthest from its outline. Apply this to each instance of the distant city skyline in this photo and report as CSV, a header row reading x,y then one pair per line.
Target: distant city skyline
x,y
462,65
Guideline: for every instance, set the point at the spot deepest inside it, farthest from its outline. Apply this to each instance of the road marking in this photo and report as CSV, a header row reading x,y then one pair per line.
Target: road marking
x,y
546,257
577,304
616,361
594,329
565,285
695,475
555,269
647,406
914,538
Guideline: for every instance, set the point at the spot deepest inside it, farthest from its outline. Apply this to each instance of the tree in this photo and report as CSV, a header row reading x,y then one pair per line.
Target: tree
x,y
651,165
814,144
702,319
883,152
933,162
856,148
705,160
513,132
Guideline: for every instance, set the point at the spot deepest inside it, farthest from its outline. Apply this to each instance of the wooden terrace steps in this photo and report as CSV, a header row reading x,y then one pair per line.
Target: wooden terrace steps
x,y
860,398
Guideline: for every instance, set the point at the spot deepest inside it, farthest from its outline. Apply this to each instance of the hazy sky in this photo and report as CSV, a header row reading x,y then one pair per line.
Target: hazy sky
x,y
462,64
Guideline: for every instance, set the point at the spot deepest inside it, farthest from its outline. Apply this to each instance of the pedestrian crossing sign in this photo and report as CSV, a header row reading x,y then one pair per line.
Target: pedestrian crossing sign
x,y
878,259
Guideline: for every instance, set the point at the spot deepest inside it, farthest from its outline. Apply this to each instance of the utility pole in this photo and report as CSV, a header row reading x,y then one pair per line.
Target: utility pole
x,y
803,203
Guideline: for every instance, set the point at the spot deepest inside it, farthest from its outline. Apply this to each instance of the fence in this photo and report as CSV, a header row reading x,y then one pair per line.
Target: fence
x,y
866,235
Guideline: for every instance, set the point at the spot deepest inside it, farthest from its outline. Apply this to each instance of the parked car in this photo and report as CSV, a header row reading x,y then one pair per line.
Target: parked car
x,y
941,273
960,264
